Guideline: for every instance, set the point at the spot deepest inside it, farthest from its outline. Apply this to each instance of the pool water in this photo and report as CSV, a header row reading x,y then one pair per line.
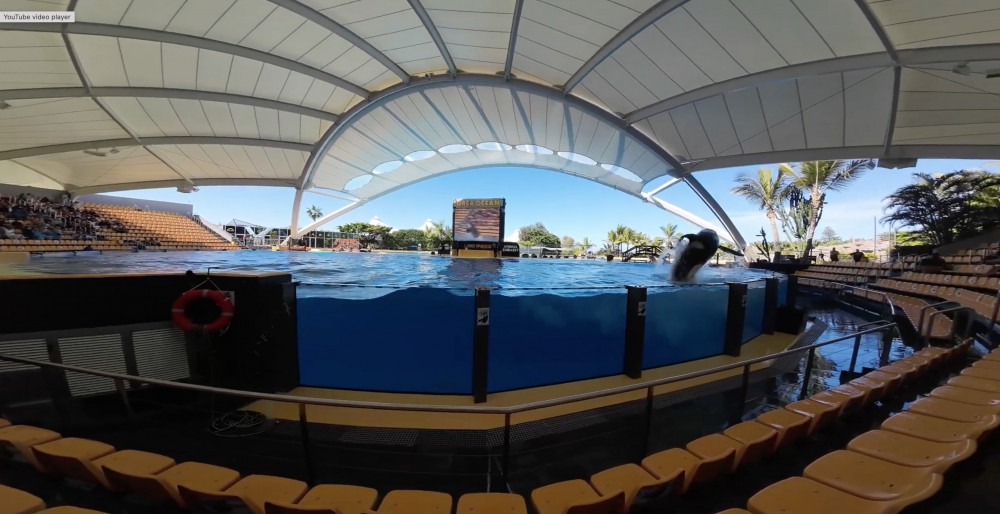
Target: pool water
x,y
370,275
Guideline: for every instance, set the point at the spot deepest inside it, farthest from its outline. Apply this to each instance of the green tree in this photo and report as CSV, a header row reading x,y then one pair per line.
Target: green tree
x,y
437,235
537,235
830,235
368,234
767,190
405,238
314,212
814,179
670,235
586,245
567,242
944,208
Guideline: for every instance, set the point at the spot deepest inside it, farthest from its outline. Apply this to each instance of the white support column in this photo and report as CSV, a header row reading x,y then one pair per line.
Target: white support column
x,y
294,225
326,219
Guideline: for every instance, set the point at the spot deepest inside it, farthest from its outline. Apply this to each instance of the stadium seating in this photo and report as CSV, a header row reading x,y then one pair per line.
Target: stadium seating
x,y
173,231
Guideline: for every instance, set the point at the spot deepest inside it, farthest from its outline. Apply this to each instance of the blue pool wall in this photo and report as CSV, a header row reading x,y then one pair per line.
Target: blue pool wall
x,y
419,340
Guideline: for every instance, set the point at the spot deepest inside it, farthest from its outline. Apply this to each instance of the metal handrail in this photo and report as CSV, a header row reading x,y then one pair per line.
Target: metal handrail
x,y
930,321
892,306
438,408
923,310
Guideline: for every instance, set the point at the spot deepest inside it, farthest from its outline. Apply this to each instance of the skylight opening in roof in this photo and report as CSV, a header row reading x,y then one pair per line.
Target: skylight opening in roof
x,y
357,182
420,155
622,172
387,167
540,150
494,146
575,157
454,149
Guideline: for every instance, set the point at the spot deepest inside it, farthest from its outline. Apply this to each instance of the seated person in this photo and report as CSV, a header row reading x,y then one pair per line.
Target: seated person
x,y
7,232
834,255
932,264
857,255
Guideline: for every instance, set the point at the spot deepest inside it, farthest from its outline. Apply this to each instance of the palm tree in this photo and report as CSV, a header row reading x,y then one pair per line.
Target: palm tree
x,y
818,177
586,245
314,212
767,190
670,235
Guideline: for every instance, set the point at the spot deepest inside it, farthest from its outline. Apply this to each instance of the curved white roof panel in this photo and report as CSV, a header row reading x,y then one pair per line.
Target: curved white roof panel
x,y
315,93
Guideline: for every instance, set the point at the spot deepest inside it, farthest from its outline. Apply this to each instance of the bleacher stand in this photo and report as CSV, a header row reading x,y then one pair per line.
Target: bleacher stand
x,y
31,224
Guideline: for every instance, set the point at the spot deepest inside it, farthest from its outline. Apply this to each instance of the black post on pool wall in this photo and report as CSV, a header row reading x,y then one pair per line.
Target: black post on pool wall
x,y
793,286
735,314
481,344
770,304
635,330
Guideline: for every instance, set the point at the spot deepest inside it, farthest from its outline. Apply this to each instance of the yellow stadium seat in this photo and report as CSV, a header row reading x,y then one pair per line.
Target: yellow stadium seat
x,y
73,457
4,423
757,441
678,466
970,396
634,481
23,437
981,372
833,398
252,491
874,479
821,414
716,450
976,383
164,485
935,429
875,389
986,363
955,411
859,397
489,503
575,496
912,451
16,501
404,501
801,495
791,426
66,509
335,498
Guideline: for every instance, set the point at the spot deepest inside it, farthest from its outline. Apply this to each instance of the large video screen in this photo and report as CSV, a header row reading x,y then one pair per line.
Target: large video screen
x,y
478,220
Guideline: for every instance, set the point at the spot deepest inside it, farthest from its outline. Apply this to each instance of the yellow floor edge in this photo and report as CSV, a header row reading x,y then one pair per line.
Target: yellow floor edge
x,y
759,346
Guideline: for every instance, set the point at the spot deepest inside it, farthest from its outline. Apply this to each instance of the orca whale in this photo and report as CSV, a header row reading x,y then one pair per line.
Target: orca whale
x,y
700,248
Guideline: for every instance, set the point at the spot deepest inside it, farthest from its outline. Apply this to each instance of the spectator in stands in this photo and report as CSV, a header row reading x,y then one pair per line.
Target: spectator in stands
x,y
7,232
932,264
821,259
834,255
857,255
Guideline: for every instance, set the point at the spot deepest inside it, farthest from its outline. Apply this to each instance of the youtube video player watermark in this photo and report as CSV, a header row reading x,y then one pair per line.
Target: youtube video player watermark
x,y
37,16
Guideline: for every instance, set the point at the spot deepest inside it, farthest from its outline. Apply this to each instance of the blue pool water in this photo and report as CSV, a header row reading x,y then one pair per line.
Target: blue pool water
x,y
319,271
404,322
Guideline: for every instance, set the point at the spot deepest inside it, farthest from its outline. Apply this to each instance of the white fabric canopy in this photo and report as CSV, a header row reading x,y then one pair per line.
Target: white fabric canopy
x,y
365,97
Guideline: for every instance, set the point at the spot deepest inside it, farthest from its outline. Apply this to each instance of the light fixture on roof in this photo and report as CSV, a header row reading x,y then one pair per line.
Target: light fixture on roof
x,y
113,151
187,188
4,105
96,153
962,68
992,74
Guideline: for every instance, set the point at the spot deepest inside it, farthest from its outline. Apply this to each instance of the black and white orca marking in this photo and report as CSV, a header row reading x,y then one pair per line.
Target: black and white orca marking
x,y
700,248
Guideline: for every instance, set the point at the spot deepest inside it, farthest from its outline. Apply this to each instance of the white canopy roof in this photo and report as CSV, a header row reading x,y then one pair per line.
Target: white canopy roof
x,y
359,98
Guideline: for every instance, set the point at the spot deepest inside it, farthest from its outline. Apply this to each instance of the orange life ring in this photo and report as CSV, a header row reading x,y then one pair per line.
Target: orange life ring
x,y
220,300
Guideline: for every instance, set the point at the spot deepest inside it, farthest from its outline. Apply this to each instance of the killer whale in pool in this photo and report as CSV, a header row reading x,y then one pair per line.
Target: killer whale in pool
x,y
700,248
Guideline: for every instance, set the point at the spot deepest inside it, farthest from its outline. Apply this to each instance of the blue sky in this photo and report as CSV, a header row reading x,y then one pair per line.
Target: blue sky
x,y
566,205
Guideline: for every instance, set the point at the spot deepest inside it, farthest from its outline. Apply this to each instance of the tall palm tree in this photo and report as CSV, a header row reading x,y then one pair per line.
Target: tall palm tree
x,y
586,245
818,177
670,235
314,212
767,190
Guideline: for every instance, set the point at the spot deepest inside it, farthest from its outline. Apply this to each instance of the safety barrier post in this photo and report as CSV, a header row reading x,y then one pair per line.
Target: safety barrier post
x,y
306,447
649,422
635,330
792,287
741,407
506,449
481,344
808,374
770,304
735,315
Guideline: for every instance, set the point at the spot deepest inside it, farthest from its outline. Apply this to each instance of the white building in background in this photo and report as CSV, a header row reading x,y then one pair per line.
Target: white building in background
x,y
428,224
377,222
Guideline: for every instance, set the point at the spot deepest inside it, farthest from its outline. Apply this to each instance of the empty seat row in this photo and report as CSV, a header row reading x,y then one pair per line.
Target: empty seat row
x,y
983,304
675,470
902,463
16,501
979,281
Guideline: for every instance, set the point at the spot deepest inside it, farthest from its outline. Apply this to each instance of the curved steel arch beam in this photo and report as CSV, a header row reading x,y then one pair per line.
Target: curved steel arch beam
x,y
690,217
157,92
157,184
914,57
425,18
101,29
716,209
515,24
639,24
423,83
21,153
344,33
